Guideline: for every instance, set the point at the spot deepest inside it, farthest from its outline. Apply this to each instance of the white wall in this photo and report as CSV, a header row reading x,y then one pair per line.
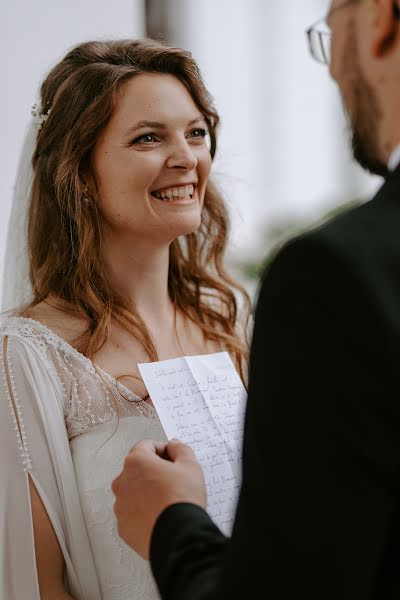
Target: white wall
x,y
34,35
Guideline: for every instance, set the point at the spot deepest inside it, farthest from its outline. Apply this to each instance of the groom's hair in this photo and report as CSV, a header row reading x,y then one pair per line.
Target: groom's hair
x,y
78,99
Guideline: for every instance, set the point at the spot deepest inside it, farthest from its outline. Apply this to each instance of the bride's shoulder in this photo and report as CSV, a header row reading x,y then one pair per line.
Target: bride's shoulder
x,y
58,318
45,323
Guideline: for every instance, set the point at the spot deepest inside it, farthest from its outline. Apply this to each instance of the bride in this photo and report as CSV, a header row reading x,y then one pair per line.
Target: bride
x,y
126,237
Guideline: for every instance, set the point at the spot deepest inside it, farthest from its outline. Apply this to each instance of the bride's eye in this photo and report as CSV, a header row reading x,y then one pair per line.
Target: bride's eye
x,y
147,138
198,133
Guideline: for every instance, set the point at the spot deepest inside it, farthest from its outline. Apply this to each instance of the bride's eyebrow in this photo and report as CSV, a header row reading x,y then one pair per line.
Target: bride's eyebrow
x,y
145,124
158,125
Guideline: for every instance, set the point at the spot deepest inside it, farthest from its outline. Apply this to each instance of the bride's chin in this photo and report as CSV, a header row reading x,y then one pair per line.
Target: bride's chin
x,y
184,226
190,228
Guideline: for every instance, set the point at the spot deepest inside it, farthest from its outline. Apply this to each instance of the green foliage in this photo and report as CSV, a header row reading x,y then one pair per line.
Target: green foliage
x,y
277,234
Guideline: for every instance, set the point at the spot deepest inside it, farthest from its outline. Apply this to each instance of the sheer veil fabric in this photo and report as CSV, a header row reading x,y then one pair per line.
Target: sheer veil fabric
x,y
16,285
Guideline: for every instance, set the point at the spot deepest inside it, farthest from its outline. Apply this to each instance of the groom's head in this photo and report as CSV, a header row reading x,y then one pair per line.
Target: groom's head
x,y
365,62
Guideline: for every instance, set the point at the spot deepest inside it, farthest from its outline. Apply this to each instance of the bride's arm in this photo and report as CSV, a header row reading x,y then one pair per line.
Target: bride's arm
x,y
33,527
49,558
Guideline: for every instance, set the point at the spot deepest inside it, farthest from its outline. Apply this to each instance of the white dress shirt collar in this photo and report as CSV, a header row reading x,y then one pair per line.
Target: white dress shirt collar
x,y
394,159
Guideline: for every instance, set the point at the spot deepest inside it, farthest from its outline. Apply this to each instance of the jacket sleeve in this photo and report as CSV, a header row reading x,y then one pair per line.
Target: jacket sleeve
x,y
317,509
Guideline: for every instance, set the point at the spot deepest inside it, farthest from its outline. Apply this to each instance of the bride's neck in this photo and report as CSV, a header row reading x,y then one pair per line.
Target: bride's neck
x,y
140,276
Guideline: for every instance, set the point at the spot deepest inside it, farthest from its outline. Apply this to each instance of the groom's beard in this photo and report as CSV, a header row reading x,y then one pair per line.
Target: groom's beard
x,y
365,113
364,131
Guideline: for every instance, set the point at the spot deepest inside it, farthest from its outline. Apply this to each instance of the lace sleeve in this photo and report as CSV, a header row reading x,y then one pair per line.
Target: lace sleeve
x,y
33,440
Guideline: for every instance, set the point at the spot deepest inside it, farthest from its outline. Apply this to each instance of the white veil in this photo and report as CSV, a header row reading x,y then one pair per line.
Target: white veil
x,y
16,285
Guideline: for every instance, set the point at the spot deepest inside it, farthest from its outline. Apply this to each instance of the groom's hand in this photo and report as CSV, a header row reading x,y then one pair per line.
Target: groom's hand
x,y
154,477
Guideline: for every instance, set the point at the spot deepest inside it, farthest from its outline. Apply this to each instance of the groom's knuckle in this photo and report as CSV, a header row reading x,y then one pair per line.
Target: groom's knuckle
x,y
129,463
188,451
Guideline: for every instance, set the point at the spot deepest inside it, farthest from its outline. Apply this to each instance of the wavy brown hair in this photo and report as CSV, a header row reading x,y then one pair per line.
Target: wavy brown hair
x,y
64,238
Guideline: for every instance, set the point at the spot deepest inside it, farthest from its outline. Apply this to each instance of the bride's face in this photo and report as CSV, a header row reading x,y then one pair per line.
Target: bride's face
x,y
152,161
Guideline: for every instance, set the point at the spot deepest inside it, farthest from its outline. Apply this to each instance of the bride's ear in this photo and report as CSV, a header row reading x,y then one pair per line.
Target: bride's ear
x,y
87,183
83,178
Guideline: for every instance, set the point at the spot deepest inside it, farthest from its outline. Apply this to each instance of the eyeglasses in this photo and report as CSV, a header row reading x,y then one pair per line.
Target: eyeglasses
x,y
319,35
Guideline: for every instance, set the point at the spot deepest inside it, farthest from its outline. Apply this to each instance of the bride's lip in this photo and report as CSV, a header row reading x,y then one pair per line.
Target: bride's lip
x,y
175,185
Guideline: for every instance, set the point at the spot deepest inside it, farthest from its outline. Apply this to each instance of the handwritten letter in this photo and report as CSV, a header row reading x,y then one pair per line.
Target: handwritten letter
x,y
201,401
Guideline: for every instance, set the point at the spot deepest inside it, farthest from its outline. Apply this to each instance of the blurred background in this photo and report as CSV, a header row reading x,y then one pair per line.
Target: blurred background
x,y
283,161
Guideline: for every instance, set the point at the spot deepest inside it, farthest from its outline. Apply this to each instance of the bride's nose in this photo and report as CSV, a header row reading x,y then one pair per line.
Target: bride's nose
x,y
182,156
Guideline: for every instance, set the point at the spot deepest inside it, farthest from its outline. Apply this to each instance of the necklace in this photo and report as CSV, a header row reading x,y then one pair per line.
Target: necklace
x,y
144,399
176,331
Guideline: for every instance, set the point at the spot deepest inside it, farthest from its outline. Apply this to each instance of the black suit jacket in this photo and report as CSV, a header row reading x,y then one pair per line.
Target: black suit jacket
x,y
319,510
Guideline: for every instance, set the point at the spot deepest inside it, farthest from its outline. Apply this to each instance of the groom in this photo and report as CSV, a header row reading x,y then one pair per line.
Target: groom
x,y
319,510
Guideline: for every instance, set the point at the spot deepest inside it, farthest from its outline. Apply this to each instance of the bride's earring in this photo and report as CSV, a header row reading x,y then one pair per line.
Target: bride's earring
x,y
85,198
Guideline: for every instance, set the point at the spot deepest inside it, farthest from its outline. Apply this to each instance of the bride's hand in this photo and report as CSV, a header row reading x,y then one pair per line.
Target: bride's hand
x,y
154,477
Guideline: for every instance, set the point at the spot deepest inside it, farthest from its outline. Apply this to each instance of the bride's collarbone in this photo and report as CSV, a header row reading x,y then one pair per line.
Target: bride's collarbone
x,y
121,355
122,352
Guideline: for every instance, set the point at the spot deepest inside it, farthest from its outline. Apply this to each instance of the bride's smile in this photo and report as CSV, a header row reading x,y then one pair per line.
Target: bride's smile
x,y
177,193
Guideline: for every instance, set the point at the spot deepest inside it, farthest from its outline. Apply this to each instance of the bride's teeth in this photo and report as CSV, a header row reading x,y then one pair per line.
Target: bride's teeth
x,y
183,192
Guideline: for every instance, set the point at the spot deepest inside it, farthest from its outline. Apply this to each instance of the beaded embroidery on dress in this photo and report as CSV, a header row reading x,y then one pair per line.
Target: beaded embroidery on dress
x,y
72,422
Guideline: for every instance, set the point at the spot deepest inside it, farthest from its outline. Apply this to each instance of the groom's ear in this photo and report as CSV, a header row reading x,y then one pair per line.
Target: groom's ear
x,y
384,27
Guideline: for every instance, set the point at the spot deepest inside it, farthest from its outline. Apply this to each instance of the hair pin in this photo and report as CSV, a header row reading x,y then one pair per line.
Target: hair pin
x,y
38,116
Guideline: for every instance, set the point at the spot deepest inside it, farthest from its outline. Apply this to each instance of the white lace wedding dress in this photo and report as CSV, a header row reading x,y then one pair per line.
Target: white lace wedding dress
x,y
69,426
